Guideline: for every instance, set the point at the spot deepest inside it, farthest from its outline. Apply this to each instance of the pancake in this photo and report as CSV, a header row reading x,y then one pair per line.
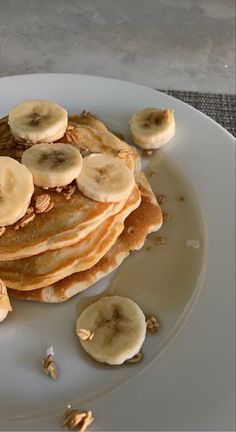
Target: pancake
x,y
90,135
43,269
144,220
65,224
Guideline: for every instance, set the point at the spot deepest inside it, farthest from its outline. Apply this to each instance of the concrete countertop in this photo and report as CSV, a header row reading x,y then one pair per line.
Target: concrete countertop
x,y
166,44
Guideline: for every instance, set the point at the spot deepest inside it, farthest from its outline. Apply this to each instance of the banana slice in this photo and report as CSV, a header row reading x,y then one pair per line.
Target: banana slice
x,y
119,329
53,164
35,121
151,128
5,305
16,190
105,178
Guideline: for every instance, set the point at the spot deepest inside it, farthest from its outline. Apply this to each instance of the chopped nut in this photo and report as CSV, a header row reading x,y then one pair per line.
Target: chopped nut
x,y
160,240
76,418
166,217
50,368
69,138
2,230
24,221
122,154
152,324
148,153
45,188
30,210
51,205
70,127
180,198
85,334
135,359
69,191
42,202
193,243
87,421
58,189
161,199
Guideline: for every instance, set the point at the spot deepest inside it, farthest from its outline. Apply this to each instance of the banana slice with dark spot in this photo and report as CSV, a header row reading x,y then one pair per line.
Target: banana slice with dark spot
x,y
53,164
151,128
105,178
118,327
35,121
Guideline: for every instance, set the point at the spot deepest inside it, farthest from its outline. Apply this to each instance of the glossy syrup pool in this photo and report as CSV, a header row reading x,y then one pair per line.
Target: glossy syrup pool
x,y
163,279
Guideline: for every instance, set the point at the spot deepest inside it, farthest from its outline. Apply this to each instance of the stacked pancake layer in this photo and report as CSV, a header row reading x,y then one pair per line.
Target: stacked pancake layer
x,y
63,251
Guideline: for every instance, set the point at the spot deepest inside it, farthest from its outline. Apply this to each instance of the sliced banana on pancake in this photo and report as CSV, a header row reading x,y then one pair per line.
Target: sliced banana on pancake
x,y
53,164
105,178
16,190
151,128
35,121
118,327
5,305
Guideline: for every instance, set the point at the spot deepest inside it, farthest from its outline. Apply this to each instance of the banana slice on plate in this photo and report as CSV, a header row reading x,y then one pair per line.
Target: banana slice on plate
x,y
5,305
16,190
151,128
105,178
35,121
53,164
118,327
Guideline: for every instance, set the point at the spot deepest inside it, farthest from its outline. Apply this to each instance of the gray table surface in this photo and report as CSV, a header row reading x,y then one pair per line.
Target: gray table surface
x,y
177,44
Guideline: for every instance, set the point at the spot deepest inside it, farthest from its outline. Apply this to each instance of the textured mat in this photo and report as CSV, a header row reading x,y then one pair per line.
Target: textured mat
x,y
220,107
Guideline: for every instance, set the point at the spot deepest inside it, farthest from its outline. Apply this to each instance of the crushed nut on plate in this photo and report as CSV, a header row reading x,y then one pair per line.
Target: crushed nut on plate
x,y
180,198
76,418
166,217
152,173
135,359
161,199
193,243
148,153
85,334
160,240
49,366
152,324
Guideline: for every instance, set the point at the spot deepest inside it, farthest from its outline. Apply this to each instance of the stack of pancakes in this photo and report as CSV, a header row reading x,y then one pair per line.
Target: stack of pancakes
x,y
62,252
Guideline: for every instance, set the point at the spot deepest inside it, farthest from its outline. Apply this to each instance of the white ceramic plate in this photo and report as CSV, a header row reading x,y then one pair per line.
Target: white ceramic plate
x,y
189,387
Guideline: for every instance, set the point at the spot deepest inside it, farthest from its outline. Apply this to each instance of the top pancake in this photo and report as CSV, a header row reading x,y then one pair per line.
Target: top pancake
x,y
51,266
67,222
